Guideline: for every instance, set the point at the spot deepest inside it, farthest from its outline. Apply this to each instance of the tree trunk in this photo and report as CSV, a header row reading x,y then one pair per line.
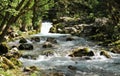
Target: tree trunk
x,y
4,21
10,22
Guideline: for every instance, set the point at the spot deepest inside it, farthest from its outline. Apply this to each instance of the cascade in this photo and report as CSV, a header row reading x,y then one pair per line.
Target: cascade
x,y
45,31
45,27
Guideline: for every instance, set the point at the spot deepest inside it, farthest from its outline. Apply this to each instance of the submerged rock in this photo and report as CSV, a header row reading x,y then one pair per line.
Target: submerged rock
x,y
30,57
105,53
72,67
52,40
81,52
3,49
25,47
69,39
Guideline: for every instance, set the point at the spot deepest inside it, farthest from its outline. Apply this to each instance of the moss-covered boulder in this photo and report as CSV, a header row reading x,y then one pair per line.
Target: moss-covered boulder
x,y
115,50
3,48
6,63
53,30
105,53
79,52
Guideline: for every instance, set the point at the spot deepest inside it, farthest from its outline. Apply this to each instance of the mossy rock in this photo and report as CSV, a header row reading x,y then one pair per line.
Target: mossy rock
x,y
9,63
105,53
23,40
13,54
16,62
81,52
4,66
48,52
53,30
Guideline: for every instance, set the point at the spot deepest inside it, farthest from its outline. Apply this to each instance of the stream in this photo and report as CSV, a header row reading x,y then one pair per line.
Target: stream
x,y
59,61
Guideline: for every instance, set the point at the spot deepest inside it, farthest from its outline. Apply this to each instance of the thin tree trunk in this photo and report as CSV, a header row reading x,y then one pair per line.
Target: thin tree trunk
x,y
4,21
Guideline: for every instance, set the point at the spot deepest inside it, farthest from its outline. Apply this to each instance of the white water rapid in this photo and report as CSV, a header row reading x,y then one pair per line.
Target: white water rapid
x,y
59,61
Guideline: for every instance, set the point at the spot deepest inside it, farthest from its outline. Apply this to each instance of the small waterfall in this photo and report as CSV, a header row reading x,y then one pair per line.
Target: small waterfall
x,y
46,27
45,31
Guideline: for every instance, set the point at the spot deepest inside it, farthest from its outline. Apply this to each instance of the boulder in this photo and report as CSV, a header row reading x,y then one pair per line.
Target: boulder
x,y
47,45
105,53
25,46
81,52
23,40
3,49
35,39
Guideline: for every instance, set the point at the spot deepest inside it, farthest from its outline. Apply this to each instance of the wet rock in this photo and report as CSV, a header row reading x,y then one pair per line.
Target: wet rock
x,y
105,53
47,45
35,39
3,49
72,67
23,40
81,52
91,53
52,40
25,47
48,52
30,57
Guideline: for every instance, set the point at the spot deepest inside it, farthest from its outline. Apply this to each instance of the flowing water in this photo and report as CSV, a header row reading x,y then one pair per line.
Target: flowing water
x,y
60,61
